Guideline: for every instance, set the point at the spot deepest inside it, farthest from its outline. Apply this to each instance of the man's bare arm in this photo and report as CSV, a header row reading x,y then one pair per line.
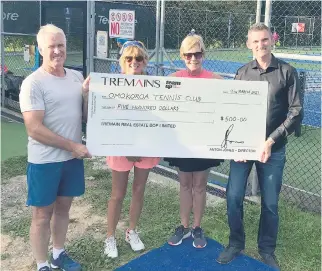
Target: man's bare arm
x,y
85,91
35,129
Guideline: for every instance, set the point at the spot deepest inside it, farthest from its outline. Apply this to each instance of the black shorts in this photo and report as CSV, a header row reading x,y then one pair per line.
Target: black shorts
x,y
193,164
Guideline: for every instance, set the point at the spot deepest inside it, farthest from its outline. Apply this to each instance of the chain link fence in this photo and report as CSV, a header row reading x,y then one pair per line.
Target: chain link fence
x,y
223,26
16,67
298,28
18,52
298,25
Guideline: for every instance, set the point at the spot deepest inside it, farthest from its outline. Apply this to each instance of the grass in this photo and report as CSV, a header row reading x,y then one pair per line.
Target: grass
x,y
13,139
4,256
17,226
12,167
303,167
298,243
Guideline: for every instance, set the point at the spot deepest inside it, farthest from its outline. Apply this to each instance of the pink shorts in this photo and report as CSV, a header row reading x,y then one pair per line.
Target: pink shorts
x,y
120,163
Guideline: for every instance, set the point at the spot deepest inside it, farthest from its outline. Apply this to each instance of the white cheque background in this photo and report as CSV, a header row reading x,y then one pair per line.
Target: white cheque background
x,y
194,126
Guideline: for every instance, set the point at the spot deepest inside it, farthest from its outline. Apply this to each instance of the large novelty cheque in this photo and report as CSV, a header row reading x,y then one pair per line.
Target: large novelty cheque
x,y
152,116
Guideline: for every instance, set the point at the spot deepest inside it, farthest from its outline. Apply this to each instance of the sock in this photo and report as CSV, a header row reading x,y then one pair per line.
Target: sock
x,y
40,265
56,252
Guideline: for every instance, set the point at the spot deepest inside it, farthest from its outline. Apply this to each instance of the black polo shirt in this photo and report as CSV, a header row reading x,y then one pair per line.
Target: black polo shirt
x,y
284,110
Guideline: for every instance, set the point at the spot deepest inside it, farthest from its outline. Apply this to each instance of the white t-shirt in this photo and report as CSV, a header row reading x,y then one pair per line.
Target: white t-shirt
x,y
61,99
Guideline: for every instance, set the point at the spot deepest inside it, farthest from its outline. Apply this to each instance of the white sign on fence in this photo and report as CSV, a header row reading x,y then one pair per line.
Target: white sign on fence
x,y
26,54
101,44
298,27
154,116
122,23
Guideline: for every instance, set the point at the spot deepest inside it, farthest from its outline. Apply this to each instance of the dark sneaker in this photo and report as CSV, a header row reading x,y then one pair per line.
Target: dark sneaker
x,y
228,255
45,268
199,240
65,263
270,259
180,233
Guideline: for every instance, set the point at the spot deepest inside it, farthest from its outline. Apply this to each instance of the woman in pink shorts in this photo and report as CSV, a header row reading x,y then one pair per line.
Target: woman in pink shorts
x,y
133,60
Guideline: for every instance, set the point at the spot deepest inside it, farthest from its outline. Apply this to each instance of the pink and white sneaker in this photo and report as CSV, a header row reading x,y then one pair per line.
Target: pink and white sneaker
x,y
132,237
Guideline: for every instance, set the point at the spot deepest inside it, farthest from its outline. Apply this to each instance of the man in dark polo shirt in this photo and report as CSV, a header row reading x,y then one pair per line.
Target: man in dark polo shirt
x,y
283,114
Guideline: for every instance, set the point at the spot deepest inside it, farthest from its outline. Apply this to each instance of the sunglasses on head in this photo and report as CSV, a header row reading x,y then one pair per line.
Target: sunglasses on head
x,y
197,55
137,58
134,43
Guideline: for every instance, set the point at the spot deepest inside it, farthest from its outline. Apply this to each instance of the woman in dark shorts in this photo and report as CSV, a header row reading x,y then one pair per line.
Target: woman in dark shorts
x,y
193,164
193,173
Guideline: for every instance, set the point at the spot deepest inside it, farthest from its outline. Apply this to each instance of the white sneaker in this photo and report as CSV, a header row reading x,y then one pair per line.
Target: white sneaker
x,y
134,240
110,248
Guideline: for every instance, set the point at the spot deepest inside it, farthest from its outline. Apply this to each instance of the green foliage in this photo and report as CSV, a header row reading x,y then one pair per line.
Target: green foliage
x,y
16,43
215,44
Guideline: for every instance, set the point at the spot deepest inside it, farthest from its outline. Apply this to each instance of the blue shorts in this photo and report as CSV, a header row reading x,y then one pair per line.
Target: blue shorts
x,y
47,181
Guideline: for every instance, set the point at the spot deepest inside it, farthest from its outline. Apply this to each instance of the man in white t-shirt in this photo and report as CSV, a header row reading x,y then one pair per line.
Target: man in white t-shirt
x,y
51,101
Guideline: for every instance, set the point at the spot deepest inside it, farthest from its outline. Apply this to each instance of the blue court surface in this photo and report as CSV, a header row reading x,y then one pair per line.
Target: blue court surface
x,y
187,258
224,65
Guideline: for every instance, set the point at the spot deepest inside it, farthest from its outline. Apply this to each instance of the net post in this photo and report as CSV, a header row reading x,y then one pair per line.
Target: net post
x,y
302,80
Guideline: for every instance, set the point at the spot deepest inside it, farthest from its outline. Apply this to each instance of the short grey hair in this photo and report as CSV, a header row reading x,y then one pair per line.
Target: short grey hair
x,y
45,29
259,27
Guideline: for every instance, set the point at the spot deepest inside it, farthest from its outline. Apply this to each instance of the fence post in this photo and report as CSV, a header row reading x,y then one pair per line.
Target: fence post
x,y
179,28
313,32
39,13
302,80
157,37
258,11
284,31
229,27
2,57
268,13
297,33
162,31
90,36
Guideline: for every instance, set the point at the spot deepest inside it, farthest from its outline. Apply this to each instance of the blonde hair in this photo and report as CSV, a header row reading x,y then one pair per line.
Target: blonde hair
x,y
258,27
46,29
190,42
133,50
